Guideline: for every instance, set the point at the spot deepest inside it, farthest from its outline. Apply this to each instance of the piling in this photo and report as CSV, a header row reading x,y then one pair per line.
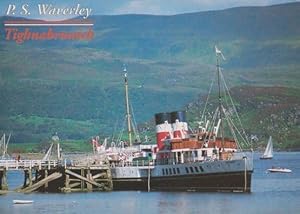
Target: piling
x,y
3,179
69,179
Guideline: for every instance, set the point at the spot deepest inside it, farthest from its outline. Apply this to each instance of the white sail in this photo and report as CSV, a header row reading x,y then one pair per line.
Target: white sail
x,y
269,149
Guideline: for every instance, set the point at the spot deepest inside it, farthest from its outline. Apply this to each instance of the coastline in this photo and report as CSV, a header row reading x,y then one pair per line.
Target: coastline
x,y
38,156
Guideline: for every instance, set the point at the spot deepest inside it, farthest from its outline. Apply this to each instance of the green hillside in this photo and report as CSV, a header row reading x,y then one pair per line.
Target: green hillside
x,y
257,35
76,88
264,111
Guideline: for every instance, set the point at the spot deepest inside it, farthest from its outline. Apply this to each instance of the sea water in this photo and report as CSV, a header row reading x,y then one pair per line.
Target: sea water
x,y
271,193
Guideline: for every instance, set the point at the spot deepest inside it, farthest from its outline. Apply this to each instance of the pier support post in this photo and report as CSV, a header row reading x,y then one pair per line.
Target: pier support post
x,y
109,178
67,187
3,180
25,178
89,177
36,175
67,181
81,181
30,176
46,175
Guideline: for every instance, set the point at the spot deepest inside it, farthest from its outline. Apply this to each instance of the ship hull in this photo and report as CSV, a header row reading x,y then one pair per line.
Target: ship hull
x,y
266,158
217,182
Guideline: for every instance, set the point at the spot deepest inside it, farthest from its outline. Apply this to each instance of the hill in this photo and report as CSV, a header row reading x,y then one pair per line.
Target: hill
x,y
76,88
264,111
248,32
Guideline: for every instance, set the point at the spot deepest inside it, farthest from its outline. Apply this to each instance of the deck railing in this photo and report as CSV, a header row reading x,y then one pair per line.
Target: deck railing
x,y
140,163
23,164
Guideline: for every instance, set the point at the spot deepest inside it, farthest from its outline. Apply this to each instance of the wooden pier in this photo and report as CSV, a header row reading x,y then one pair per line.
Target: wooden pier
x,y
3,179
55,176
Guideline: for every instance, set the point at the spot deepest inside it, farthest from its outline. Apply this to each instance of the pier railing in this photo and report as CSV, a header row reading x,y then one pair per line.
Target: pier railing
x,y
139,163
25,164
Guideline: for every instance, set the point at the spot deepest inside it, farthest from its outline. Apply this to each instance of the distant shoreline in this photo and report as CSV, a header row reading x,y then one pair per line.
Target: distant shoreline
x,y
39,155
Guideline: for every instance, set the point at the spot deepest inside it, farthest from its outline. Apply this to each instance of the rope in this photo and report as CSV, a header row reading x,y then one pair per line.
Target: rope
x,y
209,92
230,126
115,129
245,175
210,130
134,125
234,108
149,175
122,131
235,128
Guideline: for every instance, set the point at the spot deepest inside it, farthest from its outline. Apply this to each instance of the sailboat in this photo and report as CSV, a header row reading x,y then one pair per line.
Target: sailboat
x,y
268,154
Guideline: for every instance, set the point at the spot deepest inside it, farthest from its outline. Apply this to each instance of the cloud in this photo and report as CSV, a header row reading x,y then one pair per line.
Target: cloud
x,y
138,6
169,7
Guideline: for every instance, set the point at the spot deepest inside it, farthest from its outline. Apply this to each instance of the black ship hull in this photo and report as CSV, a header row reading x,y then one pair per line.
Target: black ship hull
x,y
216,182
266,158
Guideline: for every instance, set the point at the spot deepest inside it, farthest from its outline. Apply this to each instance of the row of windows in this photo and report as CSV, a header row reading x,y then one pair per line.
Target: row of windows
x,y
194,169
171,171
176,171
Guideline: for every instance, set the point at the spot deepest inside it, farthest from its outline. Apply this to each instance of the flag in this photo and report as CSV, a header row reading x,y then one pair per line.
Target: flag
x,y
219,52
95,143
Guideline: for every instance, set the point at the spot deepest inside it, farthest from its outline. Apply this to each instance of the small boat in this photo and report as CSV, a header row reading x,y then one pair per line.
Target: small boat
x,y
279,169
22,201
268,154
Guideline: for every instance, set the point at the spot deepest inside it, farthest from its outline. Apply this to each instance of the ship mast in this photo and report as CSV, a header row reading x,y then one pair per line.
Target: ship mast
x,y
128,116
218,53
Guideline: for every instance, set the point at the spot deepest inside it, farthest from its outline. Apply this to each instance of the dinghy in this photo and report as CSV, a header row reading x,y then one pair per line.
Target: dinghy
x,y
22,201
279,169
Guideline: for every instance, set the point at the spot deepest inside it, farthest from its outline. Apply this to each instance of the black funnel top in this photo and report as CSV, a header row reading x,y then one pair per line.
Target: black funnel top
x,y
160,118
178,115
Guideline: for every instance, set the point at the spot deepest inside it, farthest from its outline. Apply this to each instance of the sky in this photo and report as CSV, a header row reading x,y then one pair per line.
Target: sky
x,y
156,7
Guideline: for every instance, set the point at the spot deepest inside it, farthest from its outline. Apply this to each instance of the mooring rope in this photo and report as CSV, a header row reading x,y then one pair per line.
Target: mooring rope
x,y
207,98
149,176
245,175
